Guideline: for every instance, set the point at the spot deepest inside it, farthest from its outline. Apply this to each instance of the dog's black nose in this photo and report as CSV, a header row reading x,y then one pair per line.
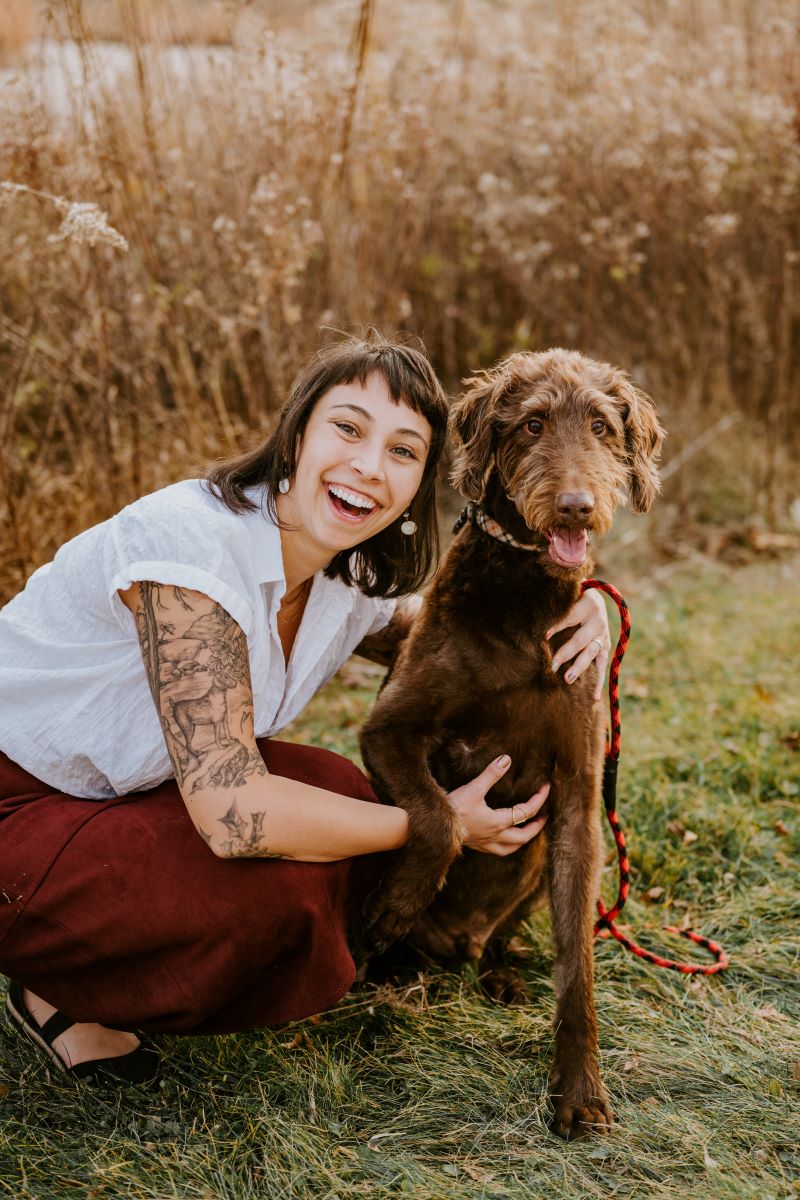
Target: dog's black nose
x,y
575,504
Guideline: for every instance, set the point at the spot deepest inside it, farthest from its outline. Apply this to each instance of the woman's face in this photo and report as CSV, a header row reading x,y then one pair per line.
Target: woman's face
x,y
359,465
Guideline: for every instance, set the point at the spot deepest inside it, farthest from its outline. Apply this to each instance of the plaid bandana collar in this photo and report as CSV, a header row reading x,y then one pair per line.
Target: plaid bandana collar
x,y
478,516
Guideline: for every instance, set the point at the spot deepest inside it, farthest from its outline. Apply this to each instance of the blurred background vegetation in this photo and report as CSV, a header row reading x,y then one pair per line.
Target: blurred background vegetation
x,y
619,176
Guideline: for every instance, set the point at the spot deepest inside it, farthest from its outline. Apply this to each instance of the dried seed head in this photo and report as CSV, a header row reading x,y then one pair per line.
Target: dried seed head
x,y
86,223
82,223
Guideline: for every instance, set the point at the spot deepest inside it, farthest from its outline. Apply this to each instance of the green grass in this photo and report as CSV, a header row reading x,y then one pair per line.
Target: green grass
x,y
426,1089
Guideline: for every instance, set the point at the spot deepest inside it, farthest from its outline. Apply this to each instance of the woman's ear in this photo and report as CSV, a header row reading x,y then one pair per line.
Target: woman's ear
x,y
643,437
472,430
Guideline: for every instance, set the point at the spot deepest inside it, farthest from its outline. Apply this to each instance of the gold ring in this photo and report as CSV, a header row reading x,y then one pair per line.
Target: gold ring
x,y
514,808
599,644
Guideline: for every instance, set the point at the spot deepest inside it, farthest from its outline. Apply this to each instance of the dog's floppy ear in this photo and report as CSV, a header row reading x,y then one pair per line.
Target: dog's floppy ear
x,y
472,430
643,437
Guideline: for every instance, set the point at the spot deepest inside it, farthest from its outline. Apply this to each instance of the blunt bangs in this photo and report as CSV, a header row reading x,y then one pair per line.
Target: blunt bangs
x,y
389,564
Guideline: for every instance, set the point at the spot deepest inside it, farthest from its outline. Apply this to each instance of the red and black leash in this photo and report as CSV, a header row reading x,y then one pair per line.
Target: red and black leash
x,y
605,926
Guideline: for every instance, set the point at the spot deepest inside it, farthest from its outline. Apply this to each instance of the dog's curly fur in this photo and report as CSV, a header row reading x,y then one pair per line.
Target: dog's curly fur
x,y
545,441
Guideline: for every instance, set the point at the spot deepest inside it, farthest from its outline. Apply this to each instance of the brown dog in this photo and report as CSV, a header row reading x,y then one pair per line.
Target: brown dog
x,y
547,444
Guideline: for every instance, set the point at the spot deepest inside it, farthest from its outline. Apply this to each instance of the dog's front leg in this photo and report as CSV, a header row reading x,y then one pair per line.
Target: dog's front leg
x,y
396,757
574,846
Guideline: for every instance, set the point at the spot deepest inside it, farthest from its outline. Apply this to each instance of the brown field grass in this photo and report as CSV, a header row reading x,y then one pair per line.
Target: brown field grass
x,y
166,22
619,178
17,27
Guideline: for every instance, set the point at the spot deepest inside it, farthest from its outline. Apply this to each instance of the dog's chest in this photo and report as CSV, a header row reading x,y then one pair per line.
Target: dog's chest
x,y
539,730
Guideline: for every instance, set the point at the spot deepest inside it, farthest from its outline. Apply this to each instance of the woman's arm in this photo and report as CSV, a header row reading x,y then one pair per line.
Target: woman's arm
x,y
196,661
382,647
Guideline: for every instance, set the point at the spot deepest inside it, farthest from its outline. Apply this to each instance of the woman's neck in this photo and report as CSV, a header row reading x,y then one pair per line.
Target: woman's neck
x,y
301,557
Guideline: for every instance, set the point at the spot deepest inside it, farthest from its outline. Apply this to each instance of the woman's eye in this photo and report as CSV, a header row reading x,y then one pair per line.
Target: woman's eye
x,y
404,452
534,426
346,427
599,427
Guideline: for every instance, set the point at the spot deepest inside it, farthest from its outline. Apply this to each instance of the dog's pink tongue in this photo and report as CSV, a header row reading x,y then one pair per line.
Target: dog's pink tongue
x,y
568,546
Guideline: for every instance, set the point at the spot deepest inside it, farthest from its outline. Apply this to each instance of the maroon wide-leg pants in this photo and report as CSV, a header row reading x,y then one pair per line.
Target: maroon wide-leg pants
x,y
116,911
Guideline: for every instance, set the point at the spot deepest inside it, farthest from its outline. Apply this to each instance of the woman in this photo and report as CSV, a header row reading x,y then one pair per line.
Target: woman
x,y
141,673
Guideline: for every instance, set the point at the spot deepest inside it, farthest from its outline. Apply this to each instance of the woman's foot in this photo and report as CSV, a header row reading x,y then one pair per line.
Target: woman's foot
x,y
82,1042
83,1051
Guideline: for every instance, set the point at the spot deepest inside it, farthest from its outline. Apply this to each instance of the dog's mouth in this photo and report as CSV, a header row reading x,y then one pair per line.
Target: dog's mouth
x,y
567,547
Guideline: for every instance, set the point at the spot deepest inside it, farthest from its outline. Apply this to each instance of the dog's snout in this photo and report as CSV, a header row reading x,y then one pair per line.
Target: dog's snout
x,y
575,504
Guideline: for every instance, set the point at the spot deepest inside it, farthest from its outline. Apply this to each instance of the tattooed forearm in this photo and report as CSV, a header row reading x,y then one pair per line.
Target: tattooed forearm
x,y
198,670
243,837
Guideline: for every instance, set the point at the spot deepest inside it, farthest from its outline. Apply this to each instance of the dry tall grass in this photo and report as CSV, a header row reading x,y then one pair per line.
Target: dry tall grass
x,y
618,177
17,26
167,22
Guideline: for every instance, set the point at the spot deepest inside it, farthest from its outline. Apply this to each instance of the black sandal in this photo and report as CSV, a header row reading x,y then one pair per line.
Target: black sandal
x,y
138,1066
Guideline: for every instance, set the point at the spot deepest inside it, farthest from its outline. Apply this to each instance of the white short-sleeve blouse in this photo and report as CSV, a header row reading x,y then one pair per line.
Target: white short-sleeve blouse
x,y
75,705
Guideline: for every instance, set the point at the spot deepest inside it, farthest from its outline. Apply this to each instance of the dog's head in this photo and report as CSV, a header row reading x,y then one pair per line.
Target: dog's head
x,y
568,437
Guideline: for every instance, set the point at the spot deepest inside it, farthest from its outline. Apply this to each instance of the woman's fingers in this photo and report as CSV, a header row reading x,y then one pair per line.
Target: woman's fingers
x,y
602,663
517,820
514,838
591,640
491,774
500,830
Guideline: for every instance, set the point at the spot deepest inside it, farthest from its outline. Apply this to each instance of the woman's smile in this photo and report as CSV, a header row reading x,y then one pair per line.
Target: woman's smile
x,y
359,465
352,506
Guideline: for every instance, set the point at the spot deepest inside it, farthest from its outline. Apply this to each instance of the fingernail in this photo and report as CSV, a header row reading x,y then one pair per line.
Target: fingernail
x,y
503,760
556,664
570,675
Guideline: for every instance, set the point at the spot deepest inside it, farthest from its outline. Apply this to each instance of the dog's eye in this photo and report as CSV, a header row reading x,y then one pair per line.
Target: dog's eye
x,y
599,427
534,426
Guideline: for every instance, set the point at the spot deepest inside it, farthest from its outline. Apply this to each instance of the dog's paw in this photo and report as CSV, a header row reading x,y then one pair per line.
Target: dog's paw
x,y
505,986
578,1112
387,924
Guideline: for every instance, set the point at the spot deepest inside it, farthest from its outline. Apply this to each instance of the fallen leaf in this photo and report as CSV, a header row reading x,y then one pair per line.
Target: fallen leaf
x,y
676,827
689,837
296,1041
780,828
4,1091
631,1063
655,893
637,688
782,860
769,1012
796,1071
792,740
478,1176
763,694
761,1155
710,1163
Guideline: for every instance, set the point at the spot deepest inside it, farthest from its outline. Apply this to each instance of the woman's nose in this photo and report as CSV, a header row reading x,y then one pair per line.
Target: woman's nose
x,y
367,461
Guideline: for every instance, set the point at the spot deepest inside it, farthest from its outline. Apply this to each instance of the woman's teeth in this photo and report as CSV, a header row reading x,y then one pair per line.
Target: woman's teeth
x,y
351,502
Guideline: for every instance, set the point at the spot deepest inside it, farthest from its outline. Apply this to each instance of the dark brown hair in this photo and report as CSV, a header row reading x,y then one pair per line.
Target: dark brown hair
x,y
390,563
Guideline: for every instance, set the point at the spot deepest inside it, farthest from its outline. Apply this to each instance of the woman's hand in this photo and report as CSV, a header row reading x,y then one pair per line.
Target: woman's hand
x,y
496,830
591,641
